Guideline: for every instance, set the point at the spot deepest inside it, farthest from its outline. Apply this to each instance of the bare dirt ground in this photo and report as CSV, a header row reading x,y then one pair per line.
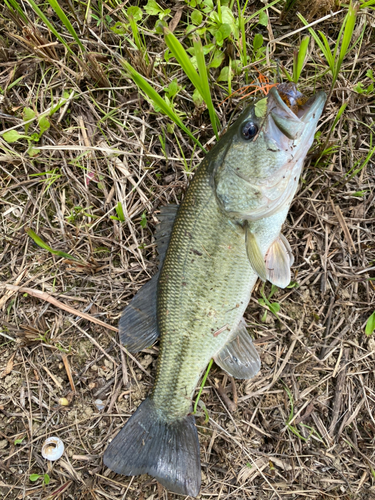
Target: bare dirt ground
x,y
305,426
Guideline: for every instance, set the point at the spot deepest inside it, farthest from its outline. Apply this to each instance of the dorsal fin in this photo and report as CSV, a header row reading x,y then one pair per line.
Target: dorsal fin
x,y
164,230
239,357
138,326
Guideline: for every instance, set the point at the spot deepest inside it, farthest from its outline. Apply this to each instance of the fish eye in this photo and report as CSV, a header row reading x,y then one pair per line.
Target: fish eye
x,y
249,130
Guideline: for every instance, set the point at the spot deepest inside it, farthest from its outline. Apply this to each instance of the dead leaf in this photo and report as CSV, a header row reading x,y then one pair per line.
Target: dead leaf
x,y
176,19
9,366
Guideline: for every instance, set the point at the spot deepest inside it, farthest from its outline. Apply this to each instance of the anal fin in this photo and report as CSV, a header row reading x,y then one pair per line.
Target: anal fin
x,y
239,357
279,259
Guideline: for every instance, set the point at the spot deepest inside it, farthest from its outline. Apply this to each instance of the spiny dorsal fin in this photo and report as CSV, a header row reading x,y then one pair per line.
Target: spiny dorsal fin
x,y
164,230
279,258
239,357
254,254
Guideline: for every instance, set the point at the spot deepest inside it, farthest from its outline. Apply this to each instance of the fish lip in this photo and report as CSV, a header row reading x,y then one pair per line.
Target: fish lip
x,y
314,106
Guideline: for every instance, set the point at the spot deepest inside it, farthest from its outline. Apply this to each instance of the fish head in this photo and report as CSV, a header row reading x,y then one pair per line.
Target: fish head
x,y
260,158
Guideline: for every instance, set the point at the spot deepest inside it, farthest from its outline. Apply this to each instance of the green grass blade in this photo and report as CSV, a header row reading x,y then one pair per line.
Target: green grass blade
x,y
370,154
49,25
241,27
205,84
120,212
56,7
44,245
259,11
340,112
200,81
13,6
287,74
339,36
317,39
328,53
202,386
158,100
300,60
183,59
135,32
350,20
370,325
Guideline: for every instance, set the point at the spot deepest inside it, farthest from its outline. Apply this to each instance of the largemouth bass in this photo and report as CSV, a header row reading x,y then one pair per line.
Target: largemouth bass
x,y
212,249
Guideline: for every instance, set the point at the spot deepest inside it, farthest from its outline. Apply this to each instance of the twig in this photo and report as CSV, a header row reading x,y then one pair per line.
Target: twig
x,y
48,298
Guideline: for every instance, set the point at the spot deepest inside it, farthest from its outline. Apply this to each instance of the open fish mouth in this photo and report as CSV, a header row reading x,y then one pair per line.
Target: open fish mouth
x,y
294,113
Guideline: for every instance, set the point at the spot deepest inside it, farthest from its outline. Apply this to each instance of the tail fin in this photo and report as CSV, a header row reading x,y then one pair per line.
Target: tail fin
x,y
167,451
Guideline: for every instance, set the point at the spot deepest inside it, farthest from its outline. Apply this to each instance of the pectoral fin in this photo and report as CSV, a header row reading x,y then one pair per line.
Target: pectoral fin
x,y
254,254
239,357
279,259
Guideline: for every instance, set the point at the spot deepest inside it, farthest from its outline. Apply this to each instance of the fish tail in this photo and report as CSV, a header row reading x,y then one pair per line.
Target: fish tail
x,y
168,451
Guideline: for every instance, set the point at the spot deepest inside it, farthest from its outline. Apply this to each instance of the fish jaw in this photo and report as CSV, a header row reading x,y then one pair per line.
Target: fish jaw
x,y
255,178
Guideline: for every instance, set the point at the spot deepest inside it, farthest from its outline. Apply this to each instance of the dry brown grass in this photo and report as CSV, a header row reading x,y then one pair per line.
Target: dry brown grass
x,y
305,426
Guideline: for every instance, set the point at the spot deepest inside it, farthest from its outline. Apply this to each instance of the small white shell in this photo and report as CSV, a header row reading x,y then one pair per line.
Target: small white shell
x,y
99,404
53,448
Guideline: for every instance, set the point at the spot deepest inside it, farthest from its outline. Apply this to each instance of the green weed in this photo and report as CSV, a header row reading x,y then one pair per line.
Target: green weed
x,y
14,136
341,48
355,170
361,89
43,119
35,477
199,80
202,386
65,21
143,222
370,325
38,240
77,212
274,307
134,16
299,59
157,100
51,176
292,428
120,213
